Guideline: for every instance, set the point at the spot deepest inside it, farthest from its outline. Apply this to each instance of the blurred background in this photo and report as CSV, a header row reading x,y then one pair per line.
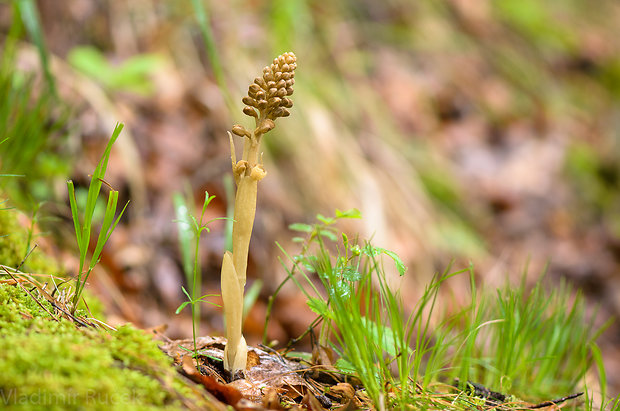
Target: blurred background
x,y
483,132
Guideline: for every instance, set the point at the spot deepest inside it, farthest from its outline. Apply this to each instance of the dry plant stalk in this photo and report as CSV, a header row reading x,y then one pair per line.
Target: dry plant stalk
x,y
267,100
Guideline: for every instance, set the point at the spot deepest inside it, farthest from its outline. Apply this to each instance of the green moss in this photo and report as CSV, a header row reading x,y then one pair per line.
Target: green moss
x,y
52,364
55,365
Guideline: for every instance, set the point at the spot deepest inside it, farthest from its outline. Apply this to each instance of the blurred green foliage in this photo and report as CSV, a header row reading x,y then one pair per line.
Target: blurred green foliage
x,y
544,55
32,122
133,75
535,21
596,177
29,16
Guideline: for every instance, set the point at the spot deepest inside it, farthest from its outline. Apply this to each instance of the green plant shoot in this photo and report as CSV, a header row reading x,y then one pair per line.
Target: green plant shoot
x,y
84,228
190,229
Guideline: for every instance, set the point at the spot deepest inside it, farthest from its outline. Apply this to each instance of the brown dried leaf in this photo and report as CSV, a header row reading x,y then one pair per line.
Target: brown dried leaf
x,y
312,402
224,393
342,390
271,399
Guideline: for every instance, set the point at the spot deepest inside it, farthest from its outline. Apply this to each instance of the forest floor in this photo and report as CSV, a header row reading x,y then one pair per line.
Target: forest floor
x,y
463,134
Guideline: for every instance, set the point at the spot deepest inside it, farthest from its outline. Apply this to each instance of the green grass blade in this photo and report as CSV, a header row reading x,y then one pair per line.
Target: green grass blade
x,y
116,221
30,17
74,213
598,360
82,246
108,220
211,48
98,176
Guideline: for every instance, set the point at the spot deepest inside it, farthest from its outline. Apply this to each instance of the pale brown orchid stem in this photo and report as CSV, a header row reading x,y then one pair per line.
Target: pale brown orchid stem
x,y
253,150
245,210
266,101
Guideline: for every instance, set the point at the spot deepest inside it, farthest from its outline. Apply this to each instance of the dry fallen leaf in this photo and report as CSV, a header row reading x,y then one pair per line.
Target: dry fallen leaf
x,y
222,392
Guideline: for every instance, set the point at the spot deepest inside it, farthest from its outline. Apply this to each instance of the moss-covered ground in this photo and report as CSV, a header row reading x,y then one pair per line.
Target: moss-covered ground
x,y
58,365
54,363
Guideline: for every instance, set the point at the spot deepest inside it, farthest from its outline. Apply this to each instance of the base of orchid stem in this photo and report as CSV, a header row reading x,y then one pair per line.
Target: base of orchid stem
x,y
230,377
235,361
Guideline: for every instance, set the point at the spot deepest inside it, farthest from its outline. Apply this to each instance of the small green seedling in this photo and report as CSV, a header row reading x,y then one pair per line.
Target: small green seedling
x,y
83,230
356,307
190,230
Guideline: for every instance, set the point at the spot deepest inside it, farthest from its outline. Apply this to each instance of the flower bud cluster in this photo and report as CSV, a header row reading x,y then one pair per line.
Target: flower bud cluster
x,y
268,95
